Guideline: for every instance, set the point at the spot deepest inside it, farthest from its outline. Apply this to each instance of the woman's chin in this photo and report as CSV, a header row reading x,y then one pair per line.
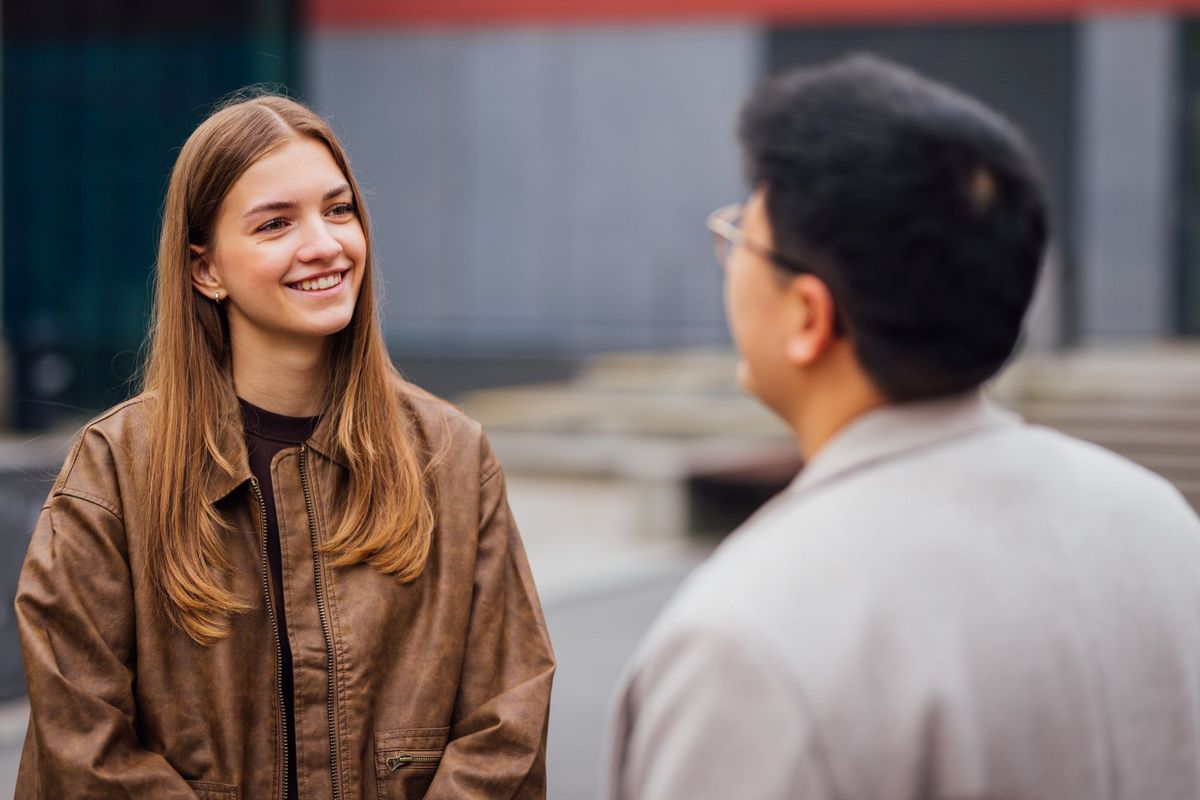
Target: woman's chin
x,y
326,324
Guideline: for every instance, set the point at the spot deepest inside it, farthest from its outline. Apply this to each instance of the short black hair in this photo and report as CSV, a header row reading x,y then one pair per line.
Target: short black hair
x,y
922,209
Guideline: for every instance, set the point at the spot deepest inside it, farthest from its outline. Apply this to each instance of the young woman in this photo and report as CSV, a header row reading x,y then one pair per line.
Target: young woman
x,y
280,571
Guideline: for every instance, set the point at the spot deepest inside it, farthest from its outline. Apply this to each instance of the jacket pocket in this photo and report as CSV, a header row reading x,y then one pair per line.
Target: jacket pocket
x,y
406,761
207,790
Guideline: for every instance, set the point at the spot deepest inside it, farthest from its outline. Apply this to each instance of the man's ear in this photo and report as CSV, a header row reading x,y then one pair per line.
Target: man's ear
x,y
813,320
204,278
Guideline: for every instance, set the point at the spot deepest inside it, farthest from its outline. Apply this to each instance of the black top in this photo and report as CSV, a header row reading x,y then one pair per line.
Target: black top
x,y
266,434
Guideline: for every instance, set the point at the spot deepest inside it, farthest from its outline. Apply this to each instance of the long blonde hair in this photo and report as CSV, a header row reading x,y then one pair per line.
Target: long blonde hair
x,y
388,512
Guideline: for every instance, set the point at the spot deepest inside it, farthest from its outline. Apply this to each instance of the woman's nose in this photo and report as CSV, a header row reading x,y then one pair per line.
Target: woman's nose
x,y
319,244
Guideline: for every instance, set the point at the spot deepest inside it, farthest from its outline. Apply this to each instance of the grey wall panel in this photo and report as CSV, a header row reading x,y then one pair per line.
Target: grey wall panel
x,y
1128,116
504,128
542,191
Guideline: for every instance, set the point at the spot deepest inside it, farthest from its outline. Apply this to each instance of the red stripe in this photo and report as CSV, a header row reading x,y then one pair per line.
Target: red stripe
x,y
420,13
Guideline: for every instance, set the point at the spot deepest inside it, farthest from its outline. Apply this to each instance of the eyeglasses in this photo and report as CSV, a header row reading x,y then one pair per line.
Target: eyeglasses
x,y
727,236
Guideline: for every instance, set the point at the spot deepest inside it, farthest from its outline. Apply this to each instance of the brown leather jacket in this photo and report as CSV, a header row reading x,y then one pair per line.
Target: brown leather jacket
x,y
439,688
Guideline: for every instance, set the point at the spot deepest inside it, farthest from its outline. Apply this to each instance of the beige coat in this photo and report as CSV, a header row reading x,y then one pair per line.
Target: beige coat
x,y
946,604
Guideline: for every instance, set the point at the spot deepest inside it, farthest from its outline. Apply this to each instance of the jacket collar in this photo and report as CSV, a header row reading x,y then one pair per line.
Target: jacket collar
x,y
231,442
895,430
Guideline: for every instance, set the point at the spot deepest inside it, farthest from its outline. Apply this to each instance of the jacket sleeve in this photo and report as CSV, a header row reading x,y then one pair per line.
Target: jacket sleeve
x,y
497,746
74,610
709,715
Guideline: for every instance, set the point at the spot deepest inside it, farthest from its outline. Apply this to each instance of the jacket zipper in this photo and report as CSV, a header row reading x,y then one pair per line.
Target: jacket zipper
x,y
321,611
262,511
405,759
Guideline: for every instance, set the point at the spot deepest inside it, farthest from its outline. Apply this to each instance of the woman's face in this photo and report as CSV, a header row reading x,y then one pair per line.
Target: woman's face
x,y
288,250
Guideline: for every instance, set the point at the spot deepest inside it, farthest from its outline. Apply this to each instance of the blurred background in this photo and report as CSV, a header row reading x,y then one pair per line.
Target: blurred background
x,y
538,174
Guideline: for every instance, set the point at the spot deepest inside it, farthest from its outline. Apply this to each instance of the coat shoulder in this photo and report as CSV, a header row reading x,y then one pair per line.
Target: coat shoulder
x,y
90,469
451,434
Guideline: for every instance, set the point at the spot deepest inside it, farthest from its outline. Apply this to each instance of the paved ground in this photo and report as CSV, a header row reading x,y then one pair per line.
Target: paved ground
x,y
601,587
602,583
12,732
593,638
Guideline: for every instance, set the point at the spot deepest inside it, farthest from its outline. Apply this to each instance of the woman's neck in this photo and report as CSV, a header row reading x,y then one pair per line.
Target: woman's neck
x,y
285,380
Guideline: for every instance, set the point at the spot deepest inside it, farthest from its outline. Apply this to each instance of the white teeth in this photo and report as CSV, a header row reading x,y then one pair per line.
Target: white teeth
x,y
321,283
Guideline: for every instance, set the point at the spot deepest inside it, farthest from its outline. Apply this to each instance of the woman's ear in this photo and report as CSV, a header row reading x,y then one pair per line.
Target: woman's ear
x,y
204,277
813,315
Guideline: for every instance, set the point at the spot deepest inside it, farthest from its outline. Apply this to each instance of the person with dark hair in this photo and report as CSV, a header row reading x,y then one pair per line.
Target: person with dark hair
x,y
947,602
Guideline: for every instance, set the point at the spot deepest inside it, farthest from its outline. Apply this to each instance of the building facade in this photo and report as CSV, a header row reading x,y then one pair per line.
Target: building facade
x,y
538,173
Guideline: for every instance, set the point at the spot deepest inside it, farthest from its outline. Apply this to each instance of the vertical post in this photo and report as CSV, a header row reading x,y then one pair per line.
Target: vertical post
x,y
6,382
1126,133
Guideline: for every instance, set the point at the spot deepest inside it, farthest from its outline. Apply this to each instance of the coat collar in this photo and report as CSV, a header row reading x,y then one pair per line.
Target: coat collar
x,y
231,442
895,430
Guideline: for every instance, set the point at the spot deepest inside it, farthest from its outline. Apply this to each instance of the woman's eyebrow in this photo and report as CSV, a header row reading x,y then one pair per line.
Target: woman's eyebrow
x,y
275,205
287,205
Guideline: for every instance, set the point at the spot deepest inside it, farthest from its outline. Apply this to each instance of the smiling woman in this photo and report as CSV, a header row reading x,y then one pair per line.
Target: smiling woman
x,y
288,251
281,570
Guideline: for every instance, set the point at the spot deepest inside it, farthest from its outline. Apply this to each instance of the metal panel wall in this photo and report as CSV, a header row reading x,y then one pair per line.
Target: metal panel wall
x,y
97,100
1187,305
542,192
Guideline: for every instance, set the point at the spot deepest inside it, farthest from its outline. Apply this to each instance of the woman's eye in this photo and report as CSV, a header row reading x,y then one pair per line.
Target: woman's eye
x,y
342,209
271,226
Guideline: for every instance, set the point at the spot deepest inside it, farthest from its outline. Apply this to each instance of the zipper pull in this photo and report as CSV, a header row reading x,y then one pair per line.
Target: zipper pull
x,y
396,762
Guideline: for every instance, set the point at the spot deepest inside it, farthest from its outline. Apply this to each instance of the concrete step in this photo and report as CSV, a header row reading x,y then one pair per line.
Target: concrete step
x,y
677,424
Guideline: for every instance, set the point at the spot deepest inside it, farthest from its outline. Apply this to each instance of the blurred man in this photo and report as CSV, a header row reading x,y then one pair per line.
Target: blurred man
x,y
947,603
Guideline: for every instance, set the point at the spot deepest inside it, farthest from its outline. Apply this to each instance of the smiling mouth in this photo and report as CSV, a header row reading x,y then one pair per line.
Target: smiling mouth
x,y
317,284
